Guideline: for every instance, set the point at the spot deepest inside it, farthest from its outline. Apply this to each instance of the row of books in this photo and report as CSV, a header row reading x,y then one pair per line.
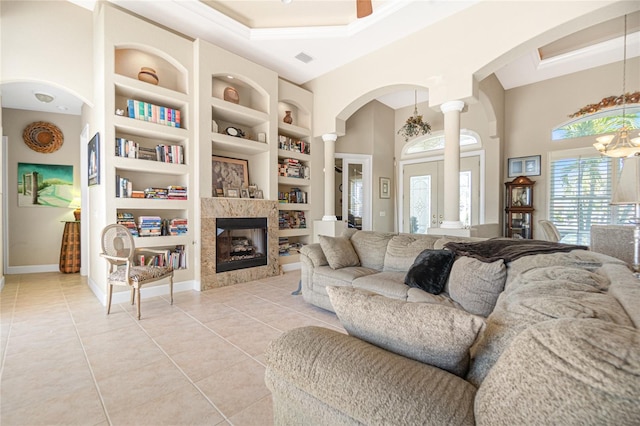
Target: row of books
x,y
291,219
295,195
124,189
289,144
176,258
287,248
146,111
147,226
291,167
164,153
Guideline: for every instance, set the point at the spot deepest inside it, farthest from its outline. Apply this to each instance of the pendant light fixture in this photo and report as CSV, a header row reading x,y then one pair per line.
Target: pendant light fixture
x,y
414,126
620,144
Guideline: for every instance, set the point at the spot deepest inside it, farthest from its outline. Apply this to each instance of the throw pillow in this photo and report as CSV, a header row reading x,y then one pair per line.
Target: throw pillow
x,y
338,251
430,270
476,285
430,333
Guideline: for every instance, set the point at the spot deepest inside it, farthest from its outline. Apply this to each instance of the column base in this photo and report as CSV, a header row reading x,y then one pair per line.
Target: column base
x,y
329,218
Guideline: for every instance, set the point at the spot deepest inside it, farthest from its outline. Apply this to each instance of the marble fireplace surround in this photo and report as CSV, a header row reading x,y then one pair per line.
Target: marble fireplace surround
x,y
212,208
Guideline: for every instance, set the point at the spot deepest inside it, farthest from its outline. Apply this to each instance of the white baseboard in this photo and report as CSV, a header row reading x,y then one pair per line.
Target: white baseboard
x,y
145,292
291,267
32,269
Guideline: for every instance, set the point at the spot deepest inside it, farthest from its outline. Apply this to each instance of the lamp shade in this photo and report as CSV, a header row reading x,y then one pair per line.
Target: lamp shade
x,y
628,189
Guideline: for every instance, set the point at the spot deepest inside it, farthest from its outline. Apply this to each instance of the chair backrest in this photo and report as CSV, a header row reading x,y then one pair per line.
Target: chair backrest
x,y
118,241
550,231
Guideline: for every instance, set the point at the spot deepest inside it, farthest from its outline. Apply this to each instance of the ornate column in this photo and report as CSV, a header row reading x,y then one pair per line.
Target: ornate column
x,y
451,111
329,176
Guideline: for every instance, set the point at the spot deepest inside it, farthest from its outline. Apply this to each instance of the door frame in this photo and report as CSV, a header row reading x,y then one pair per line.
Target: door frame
x,y
367,201
427,159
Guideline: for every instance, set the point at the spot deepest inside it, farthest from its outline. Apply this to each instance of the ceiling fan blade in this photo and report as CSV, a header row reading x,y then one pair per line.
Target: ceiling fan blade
x,y
363,8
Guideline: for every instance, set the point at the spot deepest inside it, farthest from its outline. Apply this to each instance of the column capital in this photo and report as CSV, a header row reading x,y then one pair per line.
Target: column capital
x,y
451,106
329,137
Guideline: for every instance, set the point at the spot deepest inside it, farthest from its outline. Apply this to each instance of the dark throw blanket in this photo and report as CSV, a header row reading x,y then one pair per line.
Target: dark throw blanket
x,y
508,249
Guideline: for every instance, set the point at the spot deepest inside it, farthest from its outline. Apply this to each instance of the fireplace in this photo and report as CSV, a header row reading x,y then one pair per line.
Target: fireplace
x,y
241,242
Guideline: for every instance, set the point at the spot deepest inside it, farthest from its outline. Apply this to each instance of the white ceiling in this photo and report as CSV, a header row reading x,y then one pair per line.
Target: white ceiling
x,y
272,33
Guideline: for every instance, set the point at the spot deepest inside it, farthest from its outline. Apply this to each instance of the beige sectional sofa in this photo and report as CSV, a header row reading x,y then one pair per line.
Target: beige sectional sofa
x,y
382,262
560,347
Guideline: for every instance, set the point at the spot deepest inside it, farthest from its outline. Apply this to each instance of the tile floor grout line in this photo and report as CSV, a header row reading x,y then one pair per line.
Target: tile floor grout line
x,y
86,358
6,346
177,366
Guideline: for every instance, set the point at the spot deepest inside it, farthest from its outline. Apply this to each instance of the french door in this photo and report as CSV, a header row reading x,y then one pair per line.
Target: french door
x,y
423,194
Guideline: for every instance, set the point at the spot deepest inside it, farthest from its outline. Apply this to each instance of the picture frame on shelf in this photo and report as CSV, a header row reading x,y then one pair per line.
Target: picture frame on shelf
x,y
244,193
259,194
93,160
524,166
232,192
385,187
252,191
228,173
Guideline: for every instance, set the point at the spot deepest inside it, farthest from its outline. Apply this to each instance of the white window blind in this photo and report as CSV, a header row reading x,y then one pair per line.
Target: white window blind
x,y
580,196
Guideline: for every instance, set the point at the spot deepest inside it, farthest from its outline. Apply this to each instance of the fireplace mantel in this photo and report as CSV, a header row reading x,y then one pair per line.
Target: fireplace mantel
x,y
212,208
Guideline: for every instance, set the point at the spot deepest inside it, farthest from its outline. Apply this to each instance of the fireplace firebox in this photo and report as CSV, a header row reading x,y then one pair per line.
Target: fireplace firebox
x,y
241,242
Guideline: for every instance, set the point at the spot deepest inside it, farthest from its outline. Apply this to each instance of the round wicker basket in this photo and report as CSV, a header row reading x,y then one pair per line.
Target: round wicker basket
x,y
43,137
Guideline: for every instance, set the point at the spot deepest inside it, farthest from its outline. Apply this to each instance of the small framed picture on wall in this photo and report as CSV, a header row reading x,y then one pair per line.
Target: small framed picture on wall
x,y
524,166
93,163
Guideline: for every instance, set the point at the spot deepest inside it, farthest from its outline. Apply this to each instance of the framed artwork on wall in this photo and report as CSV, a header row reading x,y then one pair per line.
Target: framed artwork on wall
x,y
385,187
229,173
93,163
524,166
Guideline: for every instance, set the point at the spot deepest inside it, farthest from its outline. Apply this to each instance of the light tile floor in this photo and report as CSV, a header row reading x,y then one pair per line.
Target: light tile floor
x,y
198,362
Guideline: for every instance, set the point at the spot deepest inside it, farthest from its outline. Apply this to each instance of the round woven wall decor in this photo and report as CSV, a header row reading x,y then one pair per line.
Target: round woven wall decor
x,y
43,137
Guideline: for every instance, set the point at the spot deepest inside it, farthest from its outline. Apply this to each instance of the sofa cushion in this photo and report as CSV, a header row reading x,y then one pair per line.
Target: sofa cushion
x,y
420,296
403,249
325,276
390,284
582,371
430,271
338,251
434,334
476,285
371,247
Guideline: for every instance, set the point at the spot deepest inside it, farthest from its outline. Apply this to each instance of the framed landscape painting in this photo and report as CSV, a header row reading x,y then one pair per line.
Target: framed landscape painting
x,y
46,185
228,173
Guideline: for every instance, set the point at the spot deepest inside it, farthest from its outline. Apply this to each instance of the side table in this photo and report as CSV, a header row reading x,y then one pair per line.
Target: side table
x,y
70,249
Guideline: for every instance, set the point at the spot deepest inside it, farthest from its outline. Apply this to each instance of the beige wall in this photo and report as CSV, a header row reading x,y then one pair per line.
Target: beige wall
x,y
532,111
471,44
35,233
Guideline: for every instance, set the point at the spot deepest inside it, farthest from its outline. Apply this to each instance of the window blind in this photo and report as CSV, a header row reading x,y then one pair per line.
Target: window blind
x,y
580,196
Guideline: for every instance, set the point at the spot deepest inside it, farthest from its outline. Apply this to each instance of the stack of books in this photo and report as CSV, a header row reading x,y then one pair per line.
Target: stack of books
x,y
291,167
127,220
156,193
177,192
177,226
149,226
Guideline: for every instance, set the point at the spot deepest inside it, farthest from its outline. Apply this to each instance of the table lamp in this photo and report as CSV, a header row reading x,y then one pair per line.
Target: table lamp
x,y
75,204
628,192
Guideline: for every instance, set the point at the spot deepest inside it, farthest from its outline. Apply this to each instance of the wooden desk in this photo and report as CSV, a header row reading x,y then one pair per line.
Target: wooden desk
x,y
70,249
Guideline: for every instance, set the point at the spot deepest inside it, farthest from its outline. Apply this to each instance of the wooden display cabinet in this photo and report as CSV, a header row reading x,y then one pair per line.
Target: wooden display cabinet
x,y
519,208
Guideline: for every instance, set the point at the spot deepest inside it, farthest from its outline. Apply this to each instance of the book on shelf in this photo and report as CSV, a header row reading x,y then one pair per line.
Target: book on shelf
x,y
124,187
128,148
295,145
292,167
145,111
287,247
127,219
294,195
291,219
149,226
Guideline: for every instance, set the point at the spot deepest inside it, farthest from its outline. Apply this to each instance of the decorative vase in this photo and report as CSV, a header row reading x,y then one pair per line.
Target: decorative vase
x,y
148,75
287,117
231,95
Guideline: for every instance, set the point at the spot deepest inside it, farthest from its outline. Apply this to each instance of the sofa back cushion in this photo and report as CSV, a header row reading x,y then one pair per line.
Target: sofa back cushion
x,y
434,334
371,248
476,285
565,372
403,249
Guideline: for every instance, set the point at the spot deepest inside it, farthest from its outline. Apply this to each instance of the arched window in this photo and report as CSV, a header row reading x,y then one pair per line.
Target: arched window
x,y
435,142
598,123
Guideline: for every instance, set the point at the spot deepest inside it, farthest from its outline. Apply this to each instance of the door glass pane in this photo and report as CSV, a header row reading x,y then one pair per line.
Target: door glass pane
x,y
419,204
355,196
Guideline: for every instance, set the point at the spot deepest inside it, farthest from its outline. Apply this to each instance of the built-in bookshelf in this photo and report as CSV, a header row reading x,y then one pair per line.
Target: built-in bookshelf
x,y
147,138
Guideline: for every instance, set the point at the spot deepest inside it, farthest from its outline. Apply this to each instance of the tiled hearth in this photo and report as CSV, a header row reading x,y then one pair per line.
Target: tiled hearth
x,y
212,208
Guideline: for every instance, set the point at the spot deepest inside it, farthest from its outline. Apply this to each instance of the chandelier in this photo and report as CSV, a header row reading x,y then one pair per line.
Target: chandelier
x,y
620,143
414,126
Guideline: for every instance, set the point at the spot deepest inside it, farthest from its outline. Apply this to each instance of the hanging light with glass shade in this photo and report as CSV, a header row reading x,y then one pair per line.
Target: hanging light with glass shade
x,y
620,144
414,126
